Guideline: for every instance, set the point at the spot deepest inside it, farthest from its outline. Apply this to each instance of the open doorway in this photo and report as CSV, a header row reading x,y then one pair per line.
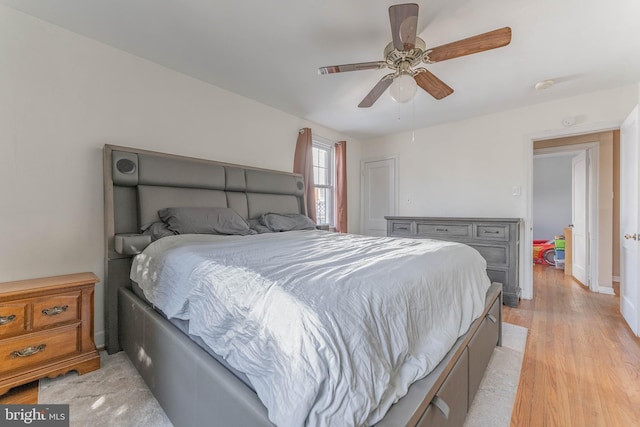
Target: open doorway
x,y
565,210
551,205
603,237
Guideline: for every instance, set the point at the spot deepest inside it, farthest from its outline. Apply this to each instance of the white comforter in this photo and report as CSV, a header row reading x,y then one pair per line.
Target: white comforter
x,y
331,329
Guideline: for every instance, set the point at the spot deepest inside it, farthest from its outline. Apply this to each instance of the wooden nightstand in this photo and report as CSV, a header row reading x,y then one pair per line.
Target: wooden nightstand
x,y
46,328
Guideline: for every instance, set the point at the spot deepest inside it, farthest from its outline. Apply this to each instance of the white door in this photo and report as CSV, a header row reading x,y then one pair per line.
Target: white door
x,y
378,195
579,199
629,221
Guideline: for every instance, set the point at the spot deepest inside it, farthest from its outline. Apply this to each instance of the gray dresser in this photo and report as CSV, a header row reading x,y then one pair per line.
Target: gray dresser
x,y
497,240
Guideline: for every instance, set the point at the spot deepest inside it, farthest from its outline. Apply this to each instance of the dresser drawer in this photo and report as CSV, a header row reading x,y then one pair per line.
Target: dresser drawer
x,y
497,240
496,255
481,348
453,393
400,228
497,275
37,348
443,231
13,319
492,232
55,310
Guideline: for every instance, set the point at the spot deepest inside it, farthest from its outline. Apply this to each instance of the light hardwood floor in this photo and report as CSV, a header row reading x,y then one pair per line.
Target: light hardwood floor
x,y
581,365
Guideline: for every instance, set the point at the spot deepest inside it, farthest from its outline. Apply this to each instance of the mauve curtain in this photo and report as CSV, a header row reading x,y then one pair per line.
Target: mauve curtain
x,y
303,164
341,187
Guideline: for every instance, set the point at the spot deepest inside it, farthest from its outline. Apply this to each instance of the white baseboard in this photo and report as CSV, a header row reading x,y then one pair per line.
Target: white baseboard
x,y
606,290
98,337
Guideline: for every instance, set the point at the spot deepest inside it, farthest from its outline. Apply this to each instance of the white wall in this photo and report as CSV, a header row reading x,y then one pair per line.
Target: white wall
x,y
551,195
63,96
470,167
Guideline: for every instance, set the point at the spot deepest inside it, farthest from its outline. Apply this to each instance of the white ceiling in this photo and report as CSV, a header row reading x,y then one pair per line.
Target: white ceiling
x,y
270,51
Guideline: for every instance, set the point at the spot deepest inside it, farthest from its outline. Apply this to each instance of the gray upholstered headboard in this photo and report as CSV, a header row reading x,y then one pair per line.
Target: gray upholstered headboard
x,y
137,183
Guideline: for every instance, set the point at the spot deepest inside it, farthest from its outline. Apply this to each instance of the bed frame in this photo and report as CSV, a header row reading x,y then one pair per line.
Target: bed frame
x,y
190,385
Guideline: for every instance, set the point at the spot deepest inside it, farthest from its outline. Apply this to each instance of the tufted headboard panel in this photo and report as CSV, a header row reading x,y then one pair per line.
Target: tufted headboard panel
x,y
144,182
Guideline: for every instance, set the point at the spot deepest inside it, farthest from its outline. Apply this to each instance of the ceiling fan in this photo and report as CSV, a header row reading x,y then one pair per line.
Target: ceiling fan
x,y
406,51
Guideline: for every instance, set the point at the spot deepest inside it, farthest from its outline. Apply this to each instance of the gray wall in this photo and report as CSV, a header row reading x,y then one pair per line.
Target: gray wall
x,y
551,195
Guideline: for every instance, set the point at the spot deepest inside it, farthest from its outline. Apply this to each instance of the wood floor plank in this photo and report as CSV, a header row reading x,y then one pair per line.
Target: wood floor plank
x,y
581,365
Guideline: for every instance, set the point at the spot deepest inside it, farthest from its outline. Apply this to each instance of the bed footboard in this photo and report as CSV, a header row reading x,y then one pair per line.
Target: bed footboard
x,y
444,397
192,388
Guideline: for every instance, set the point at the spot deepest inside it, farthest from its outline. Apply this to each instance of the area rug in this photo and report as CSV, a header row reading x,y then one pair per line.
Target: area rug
x,y
115,395
493,403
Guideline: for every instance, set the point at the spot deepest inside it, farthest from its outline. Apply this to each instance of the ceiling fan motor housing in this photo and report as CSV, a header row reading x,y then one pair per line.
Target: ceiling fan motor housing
x,y
394,57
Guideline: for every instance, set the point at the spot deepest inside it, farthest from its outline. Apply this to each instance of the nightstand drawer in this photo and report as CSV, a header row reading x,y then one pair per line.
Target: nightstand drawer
x,y
37,348
13,319
55,309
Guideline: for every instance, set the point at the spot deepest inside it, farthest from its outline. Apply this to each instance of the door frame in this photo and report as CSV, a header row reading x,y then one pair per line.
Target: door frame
x,y
396,201
526,249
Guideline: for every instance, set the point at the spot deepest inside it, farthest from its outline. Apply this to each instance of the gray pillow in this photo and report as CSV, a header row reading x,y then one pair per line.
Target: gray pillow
x,y
287,222
254,224
158,230
192,220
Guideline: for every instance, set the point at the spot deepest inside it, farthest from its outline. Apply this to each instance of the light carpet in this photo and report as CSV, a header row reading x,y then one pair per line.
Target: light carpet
x,y
115,395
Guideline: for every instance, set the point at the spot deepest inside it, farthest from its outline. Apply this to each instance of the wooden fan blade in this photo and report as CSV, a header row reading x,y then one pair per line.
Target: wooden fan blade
x,y
377,91
475,44
352,67
404,25
433,85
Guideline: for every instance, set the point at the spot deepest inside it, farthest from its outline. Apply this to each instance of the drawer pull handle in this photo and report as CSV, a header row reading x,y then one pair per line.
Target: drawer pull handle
x,y
53,311
403,228
491,232
7,319
442,406
29,351
442,229
492,318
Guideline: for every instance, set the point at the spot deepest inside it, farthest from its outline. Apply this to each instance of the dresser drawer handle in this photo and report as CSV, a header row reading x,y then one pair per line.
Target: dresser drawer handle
x,y
53,311
492,318
404,227
442,406
29,351
7,319
491,232
442,229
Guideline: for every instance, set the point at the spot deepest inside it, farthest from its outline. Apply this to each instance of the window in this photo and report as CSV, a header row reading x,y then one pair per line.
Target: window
x,y
324,181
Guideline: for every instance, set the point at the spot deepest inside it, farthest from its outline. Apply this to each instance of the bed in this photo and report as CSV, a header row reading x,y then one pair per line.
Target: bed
x,y
174,352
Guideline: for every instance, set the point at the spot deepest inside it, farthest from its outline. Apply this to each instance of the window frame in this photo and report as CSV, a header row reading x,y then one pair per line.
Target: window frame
x,y
329,147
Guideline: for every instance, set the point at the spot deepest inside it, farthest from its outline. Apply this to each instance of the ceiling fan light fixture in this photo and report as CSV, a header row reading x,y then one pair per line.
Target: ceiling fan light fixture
x,y
403,88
